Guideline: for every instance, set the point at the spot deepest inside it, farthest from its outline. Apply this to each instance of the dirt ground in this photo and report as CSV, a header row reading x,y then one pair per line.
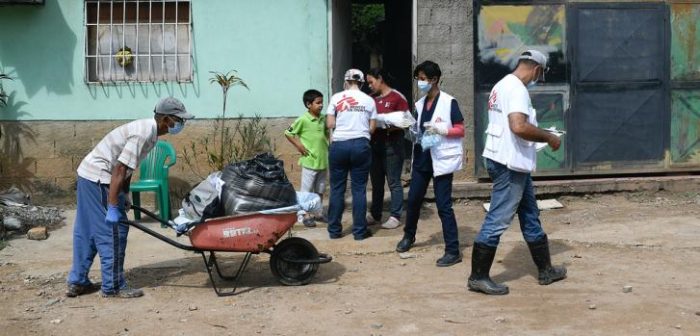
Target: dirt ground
x,y
649,241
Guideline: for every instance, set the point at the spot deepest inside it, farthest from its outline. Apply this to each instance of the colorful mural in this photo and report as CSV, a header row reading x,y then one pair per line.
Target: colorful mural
x,y
506,31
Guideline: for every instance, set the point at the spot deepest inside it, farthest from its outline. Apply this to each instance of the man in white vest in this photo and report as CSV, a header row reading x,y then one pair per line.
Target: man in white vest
x,y
510,156
439,117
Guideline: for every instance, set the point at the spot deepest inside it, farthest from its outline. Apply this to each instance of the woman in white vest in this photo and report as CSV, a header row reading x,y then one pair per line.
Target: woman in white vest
x,y
439,117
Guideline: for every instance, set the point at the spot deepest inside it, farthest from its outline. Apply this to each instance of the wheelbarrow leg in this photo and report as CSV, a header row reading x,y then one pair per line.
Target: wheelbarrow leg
x,y
211,264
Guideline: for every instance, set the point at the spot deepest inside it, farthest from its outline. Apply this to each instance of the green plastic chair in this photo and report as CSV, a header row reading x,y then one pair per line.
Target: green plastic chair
x,y
153,177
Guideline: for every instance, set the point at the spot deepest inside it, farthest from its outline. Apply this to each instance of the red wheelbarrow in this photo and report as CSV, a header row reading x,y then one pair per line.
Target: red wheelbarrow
x,y
293,261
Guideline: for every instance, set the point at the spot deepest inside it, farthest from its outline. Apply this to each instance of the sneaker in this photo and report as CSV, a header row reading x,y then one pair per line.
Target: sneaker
x,y
309,222
125,293
371,220
391,223
74,290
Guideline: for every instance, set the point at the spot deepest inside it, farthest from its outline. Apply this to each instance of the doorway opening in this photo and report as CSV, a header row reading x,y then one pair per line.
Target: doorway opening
x,y
368,34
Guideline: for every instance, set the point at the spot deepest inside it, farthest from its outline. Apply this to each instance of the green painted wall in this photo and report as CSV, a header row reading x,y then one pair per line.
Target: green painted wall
x,y
280,48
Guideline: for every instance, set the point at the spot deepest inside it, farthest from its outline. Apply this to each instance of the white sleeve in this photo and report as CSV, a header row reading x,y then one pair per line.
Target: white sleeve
x,y
517,101
330,110
373,110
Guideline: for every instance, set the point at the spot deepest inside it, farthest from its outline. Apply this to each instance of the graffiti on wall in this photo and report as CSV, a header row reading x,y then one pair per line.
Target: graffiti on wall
x,y
506,31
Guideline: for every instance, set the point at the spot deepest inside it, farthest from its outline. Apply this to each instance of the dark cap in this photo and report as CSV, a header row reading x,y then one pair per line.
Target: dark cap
x,y
172,106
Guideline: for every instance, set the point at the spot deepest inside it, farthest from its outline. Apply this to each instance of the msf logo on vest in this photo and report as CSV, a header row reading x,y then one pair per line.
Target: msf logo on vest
x,y
230,233
345,104
493,105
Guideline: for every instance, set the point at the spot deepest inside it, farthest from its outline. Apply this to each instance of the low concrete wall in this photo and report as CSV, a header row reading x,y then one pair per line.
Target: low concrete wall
x,y
45,154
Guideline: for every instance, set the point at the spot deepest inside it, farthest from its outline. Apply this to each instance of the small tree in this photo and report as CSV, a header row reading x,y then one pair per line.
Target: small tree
x,y
242,141
226,81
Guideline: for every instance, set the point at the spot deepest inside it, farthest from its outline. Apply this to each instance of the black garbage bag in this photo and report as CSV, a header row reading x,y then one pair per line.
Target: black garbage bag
x,y
256,184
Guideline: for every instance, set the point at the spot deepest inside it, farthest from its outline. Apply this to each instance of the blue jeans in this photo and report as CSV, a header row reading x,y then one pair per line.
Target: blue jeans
x,y
93,235
387,161
353,156
442,186
512,193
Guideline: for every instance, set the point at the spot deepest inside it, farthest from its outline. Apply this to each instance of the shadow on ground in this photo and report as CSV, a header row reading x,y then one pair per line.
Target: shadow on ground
x,y
176,273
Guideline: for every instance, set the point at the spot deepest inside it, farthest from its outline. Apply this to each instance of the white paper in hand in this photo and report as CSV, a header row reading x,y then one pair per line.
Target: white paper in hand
x,y
541,145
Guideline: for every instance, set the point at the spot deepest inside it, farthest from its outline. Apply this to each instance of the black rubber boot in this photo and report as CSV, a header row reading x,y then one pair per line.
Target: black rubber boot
x,y
540,255
479,280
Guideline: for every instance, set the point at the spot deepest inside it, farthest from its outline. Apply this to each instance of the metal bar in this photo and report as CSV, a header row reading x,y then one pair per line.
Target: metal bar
x,y
124,39
177,27
162,43
150,28
136,55
111,38
189,42
87,42
97,45
161,237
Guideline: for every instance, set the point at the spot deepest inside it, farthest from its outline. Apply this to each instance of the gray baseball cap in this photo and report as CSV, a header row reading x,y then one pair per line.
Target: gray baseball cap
x,y
534,55
172,106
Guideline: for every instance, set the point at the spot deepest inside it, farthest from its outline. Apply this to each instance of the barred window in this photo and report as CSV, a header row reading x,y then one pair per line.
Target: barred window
x,y
138,41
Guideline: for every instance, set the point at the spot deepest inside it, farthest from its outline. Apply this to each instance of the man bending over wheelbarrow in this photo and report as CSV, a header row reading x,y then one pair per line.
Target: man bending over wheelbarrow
x,y
102,191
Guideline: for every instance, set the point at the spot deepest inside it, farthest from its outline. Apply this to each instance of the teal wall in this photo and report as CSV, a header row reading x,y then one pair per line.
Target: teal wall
x,y
280,49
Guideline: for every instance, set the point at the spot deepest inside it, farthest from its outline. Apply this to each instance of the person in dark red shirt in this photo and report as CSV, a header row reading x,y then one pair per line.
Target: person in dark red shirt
x,y
387,151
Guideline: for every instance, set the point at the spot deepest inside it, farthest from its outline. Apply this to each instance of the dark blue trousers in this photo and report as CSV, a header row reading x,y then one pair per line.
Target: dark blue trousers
x,y
442,186
93,235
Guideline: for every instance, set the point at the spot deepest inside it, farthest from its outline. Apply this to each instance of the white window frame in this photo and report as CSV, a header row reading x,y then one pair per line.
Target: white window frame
x,y
93,58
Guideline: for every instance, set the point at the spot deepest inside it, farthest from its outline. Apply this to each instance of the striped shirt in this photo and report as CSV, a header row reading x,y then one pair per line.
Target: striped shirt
x,y
128,144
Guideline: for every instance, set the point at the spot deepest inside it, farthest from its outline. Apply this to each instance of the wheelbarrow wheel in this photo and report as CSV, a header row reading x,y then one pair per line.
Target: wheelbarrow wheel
x,y
285,269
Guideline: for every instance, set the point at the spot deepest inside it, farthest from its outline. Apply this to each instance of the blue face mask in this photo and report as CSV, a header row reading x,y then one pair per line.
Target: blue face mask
x,y
424,86
177,128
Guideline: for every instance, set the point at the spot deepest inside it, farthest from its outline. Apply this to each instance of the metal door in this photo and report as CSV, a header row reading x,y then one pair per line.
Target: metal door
x,y
620,116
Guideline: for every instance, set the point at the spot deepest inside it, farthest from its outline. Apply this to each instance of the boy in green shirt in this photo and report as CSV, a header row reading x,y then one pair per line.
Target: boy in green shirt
x,y
309,135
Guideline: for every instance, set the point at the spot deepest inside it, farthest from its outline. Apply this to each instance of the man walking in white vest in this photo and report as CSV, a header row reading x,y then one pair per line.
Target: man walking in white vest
x,y
511,156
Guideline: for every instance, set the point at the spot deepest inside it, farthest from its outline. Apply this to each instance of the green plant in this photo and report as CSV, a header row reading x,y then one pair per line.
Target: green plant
x,y
226,143
3,95
242,141
226,81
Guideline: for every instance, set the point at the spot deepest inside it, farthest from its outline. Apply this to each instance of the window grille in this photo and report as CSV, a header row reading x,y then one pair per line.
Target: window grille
x,y
138,41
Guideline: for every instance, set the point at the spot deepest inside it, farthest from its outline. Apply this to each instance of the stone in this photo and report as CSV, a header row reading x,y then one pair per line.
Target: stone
x,y
11,223
377,325
592,307
192,308
627,289
56,321
37,233
500,319
406,255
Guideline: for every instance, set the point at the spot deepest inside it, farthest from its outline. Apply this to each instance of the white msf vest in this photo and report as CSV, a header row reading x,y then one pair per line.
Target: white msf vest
x,y
447,156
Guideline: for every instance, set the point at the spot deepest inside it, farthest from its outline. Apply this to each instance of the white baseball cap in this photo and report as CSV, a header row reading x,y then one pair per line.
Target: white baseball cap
x,y
534,55
354,75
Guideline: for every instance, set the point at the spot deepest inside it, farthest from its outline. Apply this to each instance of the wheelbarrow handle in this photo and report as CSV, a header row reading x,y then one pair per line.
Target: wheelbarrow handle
x,y
150,214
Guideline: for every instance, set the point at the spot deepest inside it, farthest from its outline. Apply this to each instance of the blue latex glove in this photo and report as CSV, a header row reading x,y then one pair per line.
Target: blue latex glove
x,y
112,213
